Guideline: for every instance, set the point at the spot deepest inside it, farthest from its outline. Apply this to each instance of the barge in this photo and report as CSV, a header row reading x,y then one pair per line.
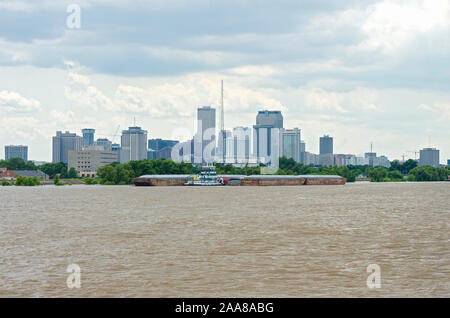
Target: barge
x,y
242,180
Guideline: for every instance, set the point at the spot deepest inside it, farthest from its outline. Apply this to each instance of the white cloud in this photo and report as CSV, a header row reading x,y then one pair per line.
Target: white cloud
x,y
12,102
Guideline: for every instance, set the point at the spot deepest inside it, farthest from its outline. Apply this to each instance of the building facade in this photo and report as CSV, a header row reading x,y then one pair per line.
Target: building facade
x,y
241,144
429,157
16,152
63,143
133,144
87,162
104,143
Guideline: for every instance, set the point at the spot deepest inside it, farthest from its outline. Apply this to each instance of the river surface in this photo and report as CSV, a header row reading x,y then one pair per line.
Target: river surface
x,y
306,241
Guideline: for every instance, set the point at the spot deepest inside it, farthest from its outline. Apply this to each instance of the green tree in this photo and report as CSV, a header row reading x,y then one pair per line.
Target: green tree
x,y
72,174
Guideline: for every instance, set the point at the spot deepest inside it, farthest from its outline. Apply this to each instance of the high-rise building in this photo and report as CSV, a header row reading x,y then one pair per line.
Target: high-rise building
x,y
291,143
241,144
133,144
429,157
206,134
266,139
88,136
326,157
16,152
158,144
116,148
326,145
448,162
62,143
370,158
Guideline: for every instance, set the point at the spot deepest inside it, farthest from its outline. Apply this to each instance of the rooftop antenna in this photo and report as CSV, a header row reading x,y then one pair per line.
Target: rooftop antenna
x,y
134,121
371,146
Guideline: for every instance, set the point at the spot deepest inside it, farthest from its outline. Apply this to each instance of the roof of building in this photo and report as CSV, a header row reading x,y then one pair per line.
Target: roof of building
x,y
30,173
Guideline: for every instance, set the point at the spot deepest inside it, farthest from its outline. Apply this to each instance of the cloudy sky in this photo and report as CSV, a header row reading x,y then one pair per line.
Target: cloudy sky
x,y
362,71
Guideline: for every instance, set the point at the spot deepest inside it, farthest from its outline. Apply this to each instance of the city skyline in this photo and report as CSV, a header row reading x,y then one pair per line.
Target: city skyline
x,y
362,72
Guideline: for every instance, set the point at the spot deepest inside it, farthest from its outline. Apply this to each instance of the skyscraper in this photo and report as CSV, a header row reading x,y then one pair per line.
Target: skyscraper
x,y
88,136
429,157
62,143
291,142
266,141
206,134
326,157
326,145
133,144
241,144
16,152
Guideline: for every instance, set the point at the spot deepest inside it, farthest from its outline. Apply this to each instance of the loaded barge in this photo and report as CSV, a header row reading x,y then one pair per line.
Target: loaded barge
x,y
208,177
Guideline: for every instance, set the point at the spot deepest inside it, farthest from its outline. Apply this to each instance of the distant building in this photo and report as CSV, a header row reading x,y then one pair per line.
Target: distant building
x,y
370,158
429,157
16,152
291,143
134,144
87,162
6,174
206,135
104,143
224,150
326,157
448,162
241,144
62,143
31,173
158,144
266,138
116,148
326,145
88,136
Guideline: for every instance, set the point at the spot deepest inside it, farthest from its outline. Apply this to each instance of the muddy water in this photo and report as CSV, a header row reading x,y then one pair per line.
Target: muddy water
x,y
231,241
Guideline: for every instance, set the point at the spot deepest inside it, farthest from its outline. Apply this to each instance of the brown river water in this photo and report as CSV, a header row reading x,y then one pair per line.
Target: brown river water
x,y
307,241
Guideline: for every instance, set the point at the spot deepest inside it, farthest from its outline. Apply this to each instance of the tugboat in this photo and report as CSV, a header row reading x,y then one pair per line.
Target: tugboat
x,y
207,177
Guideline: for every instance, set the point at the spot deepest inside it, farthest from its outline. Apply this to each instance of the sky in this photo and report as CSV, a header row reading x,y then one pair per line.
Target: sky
x,y
361,71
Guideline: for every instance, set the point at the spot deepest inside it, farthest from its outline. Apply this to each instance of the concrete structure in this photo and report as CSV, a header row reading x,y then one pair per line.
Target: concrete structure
x,y
116,148
370,158
206,135
88,136
62,143
267,135
133,144
429,157
291,143
16,152
31,173
87,162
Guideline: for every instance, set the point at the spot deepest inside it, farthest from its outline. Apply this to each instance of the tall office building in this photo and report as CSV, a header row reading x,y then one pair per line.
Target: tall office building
x,y
88,136
326,145
224,146
160,148
429,157
291,143
241,144
62,143
266,139
326,157
133,144
16,152
206,135
370,158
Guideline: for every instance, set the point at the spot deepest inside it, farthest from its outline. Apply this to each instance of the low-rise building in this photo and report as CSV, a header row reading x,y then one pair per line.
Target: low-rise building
x,y
6,174
31,173
87,162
